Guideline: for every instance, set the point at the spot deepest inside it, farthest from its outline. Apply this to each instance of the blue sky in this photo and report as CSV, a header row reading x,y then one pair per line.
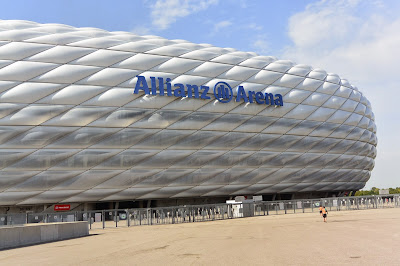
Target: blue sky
x,y
359,40
228,23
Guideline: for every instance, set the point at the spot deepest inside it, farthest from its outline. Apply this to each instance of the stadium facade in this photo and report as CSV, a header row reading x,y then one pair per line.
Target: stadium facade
x,y
88,115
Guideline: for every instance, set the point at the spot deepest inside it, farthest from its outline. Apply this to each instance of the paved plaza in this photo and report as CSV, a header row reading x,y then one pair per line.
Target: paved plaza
x,y
365,237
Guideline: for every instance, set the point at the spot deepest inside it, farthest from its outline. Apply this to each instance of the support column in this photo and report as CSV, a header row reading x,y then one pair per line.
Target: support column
x,y
274,197
103,218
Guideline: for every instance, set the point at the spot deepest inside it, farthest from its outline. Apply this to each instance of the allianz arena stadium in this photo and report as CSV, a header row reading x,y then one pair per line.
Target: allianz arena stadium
x,y
89,116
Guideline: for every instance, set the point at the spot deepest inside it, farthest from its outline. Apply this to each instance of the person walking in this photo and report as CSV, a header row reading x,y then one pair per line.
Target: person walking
x,y
320,210
324,213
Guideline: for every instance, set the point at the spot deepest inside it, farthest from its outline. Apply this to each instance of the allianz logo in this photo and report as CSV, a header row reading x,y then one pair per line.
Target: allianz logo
x,y
222,91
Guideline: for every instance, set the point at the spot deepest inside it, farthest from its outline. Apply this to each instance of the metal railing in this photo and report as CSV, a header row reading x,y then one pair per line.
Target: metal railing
x,y
199,213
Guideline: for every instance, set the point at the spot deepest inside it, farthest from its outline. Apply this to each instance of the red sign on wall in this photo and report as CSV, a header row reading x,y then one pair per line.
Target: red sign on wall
x,y
62,207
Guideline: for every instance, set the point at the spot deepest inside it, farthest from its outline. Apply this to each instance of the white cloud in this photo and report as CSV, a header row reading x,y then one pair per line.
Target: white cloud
x,y
141,30
221,25
243,3
359,42
254,26
226,25
261,45
166,12
323,24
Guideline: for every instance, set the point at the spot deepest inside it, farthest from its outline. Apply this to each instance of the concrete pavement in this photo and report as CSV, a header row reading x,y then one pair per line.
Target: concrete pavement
x,y
366,237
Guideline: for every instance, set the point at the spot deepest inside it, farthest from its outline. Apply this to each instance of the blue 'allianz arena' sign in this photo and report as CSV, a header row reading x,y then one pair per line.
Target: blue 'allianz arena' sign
x,y
222,91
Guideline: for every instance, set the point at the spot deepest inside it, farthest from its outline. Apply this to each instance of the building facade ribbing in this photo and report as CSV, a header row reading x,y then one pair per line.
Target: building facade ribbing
x,y
73,128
